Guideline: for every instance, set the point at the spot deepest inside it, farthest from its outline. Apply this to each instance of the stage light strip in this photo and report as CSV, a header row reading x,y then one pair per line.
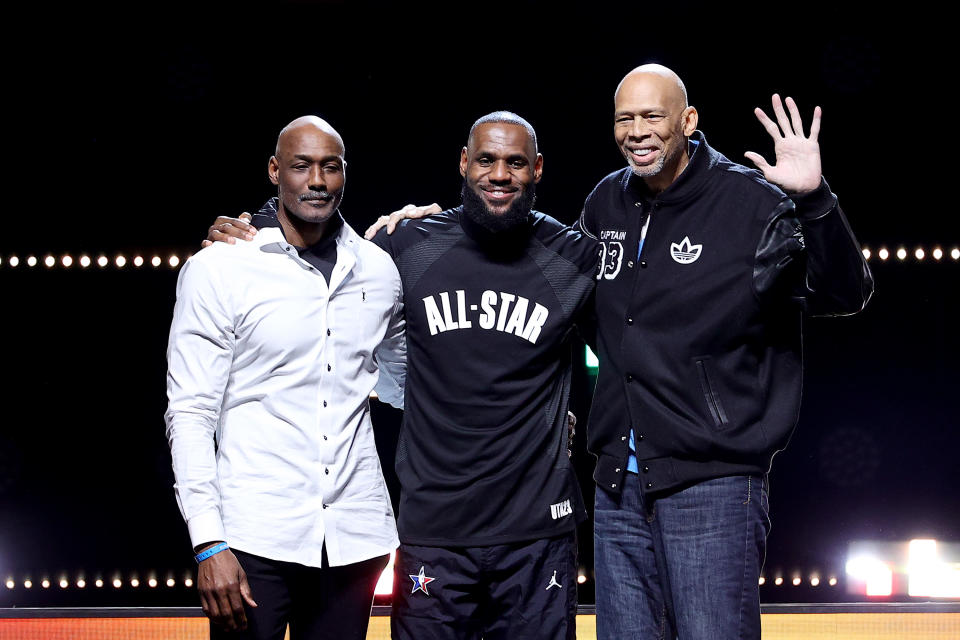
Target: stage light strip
x,y
137,260
384,586
917,254
80,582
83,261
796,579
927,578
133,580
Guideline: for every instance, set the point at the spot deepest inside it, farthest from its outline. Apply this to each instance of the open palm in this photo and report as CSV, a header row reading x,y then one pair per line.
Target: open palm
x,y
797,168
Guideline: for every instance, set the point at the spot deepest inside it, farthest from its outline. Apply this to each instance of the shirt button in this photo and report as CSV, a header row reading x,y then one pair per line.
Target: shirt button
x,y
638,204
629,378
630,264
613,486
639,436
324,403
617,470
649,485
325,437
327,471
325,506
329,367
646,469
630,321
643,264
623,438
328,331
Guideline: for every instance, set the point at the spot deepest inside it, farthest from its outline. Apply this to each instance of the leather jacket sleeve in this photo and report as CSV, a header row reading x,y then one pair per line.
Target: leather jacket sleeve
x,y
808,252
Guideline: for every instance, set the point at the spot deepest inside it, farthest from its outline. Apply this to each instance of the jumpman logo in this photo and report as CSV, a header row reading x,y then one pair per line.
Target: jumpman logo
x,y
554,583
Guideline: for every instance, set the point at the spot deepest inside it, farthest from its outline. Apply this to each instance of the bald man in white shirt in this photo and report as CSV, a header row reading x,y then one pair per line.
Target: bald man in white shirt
x,y
269,373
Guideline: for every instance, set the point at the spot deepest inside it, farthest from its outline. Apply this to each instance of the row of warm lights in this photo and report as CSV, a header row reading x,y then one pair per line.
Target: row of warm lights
x,y
121,261
98,583
918,253
188,582
85,261
797,581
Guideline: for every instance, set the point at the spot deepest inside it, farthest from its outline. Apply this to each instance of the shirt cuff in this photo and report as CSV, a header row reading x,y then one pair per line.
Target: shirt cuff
x,y
816,204
205,527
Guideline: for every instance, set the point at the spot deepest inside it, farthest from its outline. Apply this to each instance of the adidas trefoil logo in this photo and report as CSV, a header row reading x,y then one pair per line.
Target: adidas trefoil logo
x,y
685,253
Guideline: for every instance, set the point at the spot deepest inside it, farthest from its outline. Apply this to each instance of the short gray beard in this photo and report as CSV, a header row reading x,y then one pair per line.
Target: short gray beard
x,y
648,172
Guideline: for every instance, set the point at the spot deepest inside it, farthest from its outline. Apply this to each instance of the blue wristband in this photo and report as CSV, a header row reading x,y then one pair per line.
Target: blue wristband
x,y
212,551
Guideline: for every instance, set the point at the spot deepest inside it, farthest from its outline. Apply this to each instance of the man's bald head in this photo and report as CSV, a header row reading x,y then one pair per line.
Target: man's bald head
x,y
652,121
661,75
303,124
309,171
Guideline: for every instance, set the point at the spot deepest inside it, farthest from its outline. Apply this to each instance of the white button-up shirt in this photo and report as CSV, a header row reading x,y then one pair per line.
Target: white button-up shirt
x,y
269,373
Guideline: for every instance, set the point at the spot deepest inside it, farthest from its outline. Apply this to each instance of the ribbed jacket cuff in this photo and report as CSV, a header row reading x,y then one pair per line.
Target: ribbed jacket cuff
x,y
815,204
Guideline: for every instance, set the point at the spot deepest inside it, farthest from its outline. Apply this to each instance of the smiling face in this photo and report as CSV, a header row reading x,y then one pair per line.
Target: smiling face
x,y
500,165
308,168
651,126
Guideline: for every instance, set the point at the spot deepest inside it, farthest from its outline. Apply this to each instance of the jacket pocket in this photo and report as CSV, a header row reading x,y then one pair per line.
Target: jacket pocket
x,y
710,395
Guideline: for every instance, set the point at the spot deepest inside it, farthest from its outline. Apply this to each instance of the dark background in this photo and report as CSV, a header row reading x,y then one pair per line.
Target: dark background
x,y
130,128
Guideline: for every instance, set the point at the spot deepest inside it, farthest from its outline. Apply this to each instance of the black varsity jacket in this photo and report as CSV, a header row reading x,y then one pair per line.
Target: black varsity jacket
x,y
699,336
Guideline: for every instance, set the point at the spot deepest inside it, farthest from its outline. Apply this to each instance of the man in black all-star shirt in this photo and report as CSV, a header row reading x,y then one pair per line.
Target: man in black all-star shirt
x,y
489,502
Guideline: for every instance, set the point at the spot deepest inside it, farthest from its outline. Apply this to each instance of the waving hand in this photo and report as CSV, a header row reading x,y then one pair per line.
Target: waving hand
x,y
797,166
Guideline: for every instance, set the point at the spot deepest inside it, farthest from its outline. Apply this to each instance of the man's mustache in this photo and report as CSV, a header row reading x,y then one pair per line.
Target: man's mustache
x,y
314,195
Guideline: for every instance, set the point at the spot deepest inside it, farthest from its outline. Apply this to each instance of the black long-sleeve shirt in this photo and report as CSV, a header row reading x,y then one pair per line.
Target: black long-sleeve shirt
x,y
482,452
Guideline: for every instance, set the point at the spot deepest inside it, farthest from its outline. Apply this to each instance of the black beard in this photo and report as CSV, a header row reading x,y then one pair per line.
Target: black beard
x,y
517,213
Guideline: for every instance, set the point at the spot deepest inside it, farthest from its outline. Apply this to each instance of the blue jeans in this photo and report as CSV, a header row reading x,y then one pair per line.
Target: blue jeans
x,y
682,566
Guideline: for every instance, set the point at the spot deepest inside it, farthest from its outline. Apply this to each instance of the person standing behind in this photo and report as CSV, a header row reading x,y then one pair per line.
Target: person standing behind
x,y
274,348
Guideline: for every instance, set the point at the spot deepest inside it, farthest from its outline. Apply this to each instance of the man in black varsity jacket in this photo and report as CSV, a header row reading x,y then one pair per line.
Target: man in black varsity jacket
x,y
707,268
489,500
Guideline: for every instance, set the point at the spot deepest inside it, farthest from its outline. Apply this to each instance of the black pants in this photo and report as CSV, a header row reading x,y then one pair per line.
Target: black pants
x,y
521,591
319,604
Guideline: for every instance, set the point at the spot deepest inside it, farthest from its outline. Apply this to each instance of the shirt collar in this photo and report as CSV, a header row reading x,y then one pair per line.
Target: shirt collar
x,y
266,217
271,233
